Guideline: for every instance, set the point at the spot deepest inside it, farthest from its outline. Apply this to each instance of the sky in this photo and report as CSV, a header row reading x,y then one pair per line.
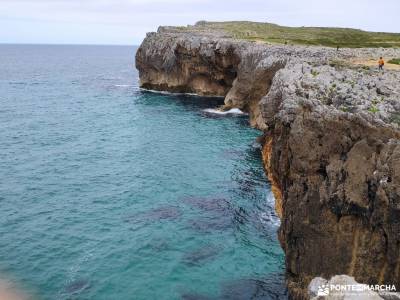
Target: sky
x,y
125,22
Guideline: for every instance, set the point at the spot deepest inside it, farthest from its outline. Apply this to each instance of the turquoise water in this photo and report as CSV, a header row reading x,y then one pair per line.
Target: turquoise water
x,y
110,192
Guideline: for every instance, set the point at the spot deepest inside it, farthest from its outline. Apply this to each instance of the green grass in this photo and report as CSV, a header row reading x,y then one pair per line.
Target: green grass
x,y
323,36
395,61
344,108
373,109
314,73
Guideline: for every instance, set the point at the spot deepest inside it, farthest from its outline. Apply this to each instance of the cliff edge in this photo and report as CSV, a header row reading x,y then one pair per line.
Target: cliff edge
x,y
331,143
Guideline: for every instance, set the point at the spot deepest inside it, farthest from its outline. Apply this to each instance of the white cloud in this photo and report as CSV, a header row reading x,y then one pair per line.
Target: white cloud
x,y
126,21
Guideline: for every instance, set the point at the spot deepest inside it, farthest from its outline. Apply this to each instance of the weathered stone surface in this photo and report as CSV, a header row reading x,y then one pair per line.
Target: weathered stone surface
x,y
210,63
338,176
177,63
331,143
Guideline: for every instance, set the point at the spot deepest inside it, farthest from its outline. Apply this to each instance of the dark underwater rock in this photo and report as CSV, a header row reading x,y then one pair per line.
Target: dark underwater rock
x,y
201,255
77,286
194,296
167,212
270,288
211,204
210,224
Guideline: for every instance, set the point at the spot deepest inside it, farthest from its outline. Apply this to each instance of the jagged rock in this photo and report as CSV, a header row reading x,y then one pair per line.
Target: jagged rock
x,y
339,186
331,144
384,90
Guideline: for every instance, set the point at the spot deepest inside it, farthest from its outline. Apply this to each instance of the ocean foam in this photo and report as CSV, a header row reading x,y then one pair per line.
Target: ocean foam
x,y
269,218
123,85
232,111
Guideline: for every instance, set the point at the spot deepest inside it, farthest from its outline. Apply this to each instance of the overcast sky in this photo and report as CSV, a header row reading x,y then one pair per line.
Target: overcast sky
x,y
127,21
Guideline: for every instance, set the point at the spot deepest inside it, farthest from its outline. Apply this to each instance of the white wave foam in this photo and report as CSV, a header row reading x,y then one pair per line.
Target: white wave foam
x,y
123,85
257,145
232,111
269,218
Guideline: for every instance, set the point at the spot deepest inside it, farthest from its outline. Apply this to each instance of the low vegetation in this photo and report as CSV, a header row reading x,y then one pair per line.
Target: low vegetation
x,y
395,61
324,36
395,118
373,109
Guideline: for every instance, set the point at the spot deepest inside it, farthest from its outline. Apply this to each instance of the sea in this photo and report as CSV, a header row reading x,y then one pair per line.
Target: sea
x,y
108,191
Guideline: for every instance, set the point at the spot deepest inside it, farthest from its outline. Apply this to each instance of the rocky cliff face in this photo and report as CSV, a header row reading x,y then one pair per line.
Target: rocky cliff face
x,y
338,177
331,143
208,63
178,64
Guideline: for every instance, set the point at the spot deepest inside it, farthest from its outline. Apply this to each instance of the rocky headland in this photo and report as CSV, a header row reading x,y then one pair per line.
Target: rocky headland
x,y
331,141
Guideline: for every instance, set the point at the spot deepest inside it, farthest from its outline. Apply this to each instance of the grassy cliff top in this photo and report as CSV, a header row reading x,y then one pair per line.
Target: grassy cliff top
x,y
324,36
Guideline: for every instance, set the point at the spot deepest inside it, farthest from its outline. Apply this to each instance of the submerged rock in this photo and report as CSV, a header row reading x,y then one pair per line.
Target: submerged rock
x,y
77,286
213,204
208,224
269,288
201,255
217,213
194,296
167,212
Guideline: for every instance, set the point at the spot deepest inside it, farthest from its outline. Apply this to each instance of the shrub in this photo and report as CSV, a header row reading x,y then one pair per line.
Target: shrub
x,y
373,109
314,73
201,23
395,61
344,108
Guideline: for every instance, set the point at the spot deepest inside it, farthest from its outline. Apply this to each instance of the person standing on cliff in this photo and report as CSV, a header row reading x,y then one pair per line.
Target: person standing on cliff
x,y
381,63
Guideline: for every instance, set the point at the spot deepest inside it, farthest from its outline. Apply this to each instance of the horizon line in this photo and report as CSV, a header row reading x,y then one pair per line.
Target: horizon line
x,y
64,44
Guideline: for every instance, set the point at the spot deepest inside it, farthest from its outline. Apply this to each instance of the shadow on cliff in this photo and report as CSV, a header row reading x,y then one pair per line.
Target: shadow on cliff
x,y
193,103
190,102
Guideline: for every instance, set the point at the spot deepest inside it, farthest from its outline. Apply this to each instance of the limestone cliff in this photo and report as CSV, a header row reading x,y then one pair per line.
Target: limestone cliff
x,y
338,176
331,143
